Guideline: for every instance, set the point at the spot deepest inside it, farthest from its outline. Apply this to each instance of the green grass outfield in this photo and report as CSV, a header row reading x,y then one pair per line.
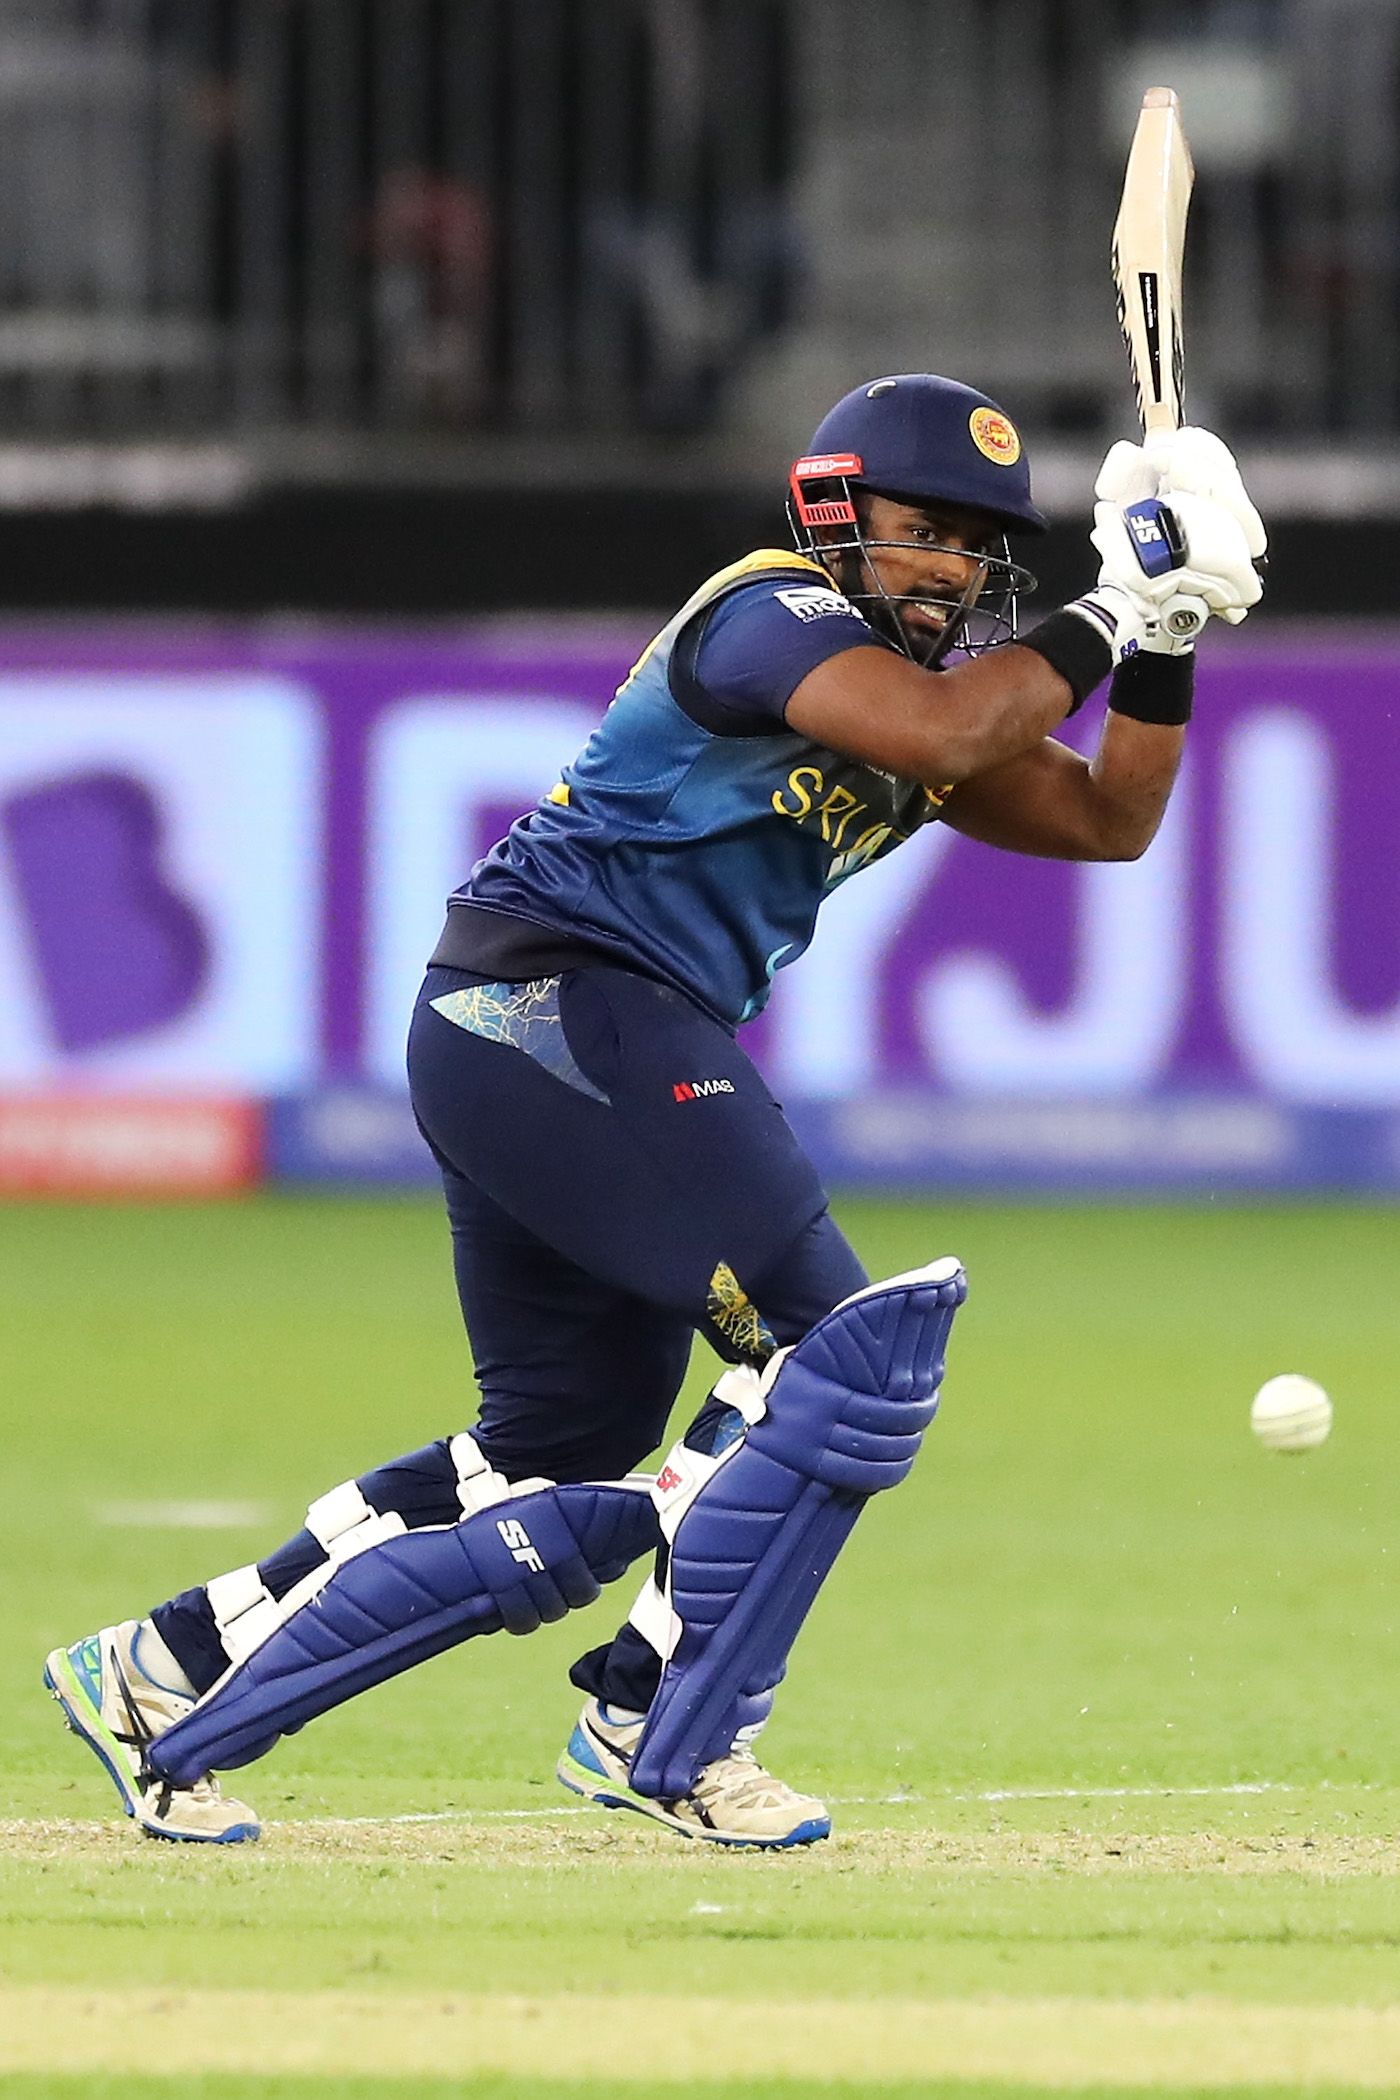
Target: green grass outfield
x,y
1106,1699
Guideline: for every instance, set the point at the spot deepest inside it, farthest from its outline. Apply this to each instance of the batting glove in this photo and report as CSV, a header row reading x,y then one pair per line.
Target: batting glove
x,y
1194,462
1175,528
1126,621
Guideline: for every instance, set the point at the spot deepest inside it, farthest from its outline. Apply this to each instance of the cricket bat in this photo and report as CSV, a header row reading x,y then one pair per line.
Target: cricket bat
x,y
1149,238
1149,241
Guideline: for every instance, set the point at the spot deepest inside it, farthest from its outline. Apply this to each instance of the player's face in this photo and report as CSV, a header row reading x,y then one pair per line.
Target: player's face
x,y
935,564
916,570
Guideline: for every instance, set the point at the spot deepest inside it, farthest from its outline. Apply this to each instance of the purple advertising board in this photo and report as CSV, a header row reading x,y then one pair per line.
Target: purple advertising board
x,y
223,855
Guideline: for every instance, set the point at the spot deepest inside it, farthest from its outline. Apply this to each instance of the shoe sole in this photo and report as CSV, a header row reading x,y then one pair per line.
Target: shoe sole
x,y
83,1720
579,1780
236,1834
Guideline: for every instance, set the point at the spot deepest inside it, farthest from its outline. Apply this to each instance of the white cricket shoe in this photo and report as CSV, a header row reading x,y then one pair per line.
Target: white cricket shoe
x,y
116,1708
734,1801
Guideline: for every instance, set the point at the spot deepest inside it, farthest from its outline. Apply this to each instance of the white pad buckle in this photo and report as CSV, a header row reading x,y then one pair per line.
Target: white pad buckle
x,y
245,1611
343,1522
743,1389
652,1617
479,1485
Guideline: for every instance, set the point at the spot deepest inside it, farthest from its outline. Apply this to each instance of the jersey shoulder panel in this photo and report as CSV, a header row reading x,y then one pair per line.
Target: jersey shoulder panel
x,y
758,643
764,560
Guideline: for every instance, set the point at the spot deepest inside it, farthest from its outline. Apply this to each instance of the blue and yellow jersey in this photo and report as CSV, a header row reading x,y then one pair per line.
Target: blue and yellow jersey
x,y
696,835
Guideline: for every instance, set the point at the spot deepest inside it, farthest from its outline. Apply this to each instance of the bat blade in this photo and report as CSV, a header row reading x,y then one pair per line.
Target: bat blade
x,y
1149,239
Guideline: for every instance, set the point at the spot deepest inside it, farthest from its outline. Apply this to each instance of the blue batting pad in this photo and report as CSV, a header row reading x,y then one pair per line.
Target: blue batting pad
x,y
516,1564
845,1418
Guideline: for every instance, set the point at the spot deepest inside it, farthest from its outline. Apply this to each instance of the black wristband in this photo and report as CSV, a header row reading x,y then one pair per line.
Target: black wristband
x,y
1078,651
1154,688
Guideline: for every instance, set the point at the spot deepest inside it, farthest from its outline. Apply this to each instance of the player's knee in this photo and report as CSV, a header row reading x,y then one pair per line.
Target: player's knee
x,y
440,1484
816,1271
569,1451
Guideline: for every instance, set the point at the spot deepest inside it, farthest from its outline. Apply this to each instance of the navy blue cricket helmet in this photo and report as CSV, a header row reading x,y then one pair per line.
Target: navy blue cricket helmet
x,y
930,441
914,434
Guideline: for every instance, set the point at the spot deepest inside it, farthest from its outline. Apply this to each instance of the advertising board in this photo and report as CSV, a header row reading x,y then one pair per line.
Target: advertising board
x,y
223,857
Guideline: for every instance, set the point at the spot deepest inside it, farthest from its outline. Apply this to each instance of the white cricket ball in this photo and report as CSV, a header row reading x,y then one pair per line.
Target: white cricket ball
x,y
1290,1413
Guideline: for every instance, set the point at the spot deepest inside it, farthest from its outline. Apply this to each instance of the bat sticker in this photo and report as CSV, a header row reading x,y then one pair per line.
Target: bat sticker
x,y
1151,320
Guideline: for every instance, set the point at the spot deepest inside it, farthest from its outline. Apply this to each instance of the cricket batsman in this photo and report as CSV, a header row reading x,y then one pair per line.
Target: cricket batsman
x,y
618,1177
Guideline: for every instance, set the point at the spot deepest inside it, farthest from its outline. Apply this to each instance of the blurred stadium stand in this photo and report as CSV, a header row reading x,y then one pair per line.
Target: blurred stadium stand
x,y
443,304
417,309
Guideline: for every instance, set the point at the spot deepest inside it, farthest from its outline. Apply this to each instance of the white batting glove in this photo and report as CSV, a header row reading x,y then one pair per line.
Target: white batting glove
x,y
1210,564
1127,475
1170,620
1192,462
1211,559
1117,615
1120,607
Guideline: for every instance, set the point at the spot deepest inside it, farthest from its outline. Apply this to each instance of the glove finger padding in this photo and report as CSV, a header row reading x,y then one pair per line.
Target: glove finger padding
x,y
1193,462
1127,475
1191,458
1219,561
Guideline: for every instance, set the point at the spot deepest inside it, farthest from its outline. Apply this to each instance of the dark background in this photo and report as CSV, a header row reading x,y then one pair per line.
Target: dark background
x,y
435,552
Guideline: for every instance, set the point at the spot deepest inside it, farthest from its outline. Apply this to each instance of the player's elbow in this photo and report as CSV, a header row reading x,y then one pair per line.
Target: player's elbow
x,y
949,757
1125,850
1091,830
1122,839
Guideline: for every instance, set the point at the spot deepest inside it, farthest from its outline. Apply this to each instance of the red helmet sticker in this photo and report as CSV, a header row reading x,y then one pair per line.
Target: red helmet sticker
x,y
824,466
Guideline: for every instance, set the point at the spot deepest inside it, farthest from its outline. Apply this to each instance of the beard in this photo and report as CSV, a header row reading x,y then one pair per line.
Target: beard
x,y
919,640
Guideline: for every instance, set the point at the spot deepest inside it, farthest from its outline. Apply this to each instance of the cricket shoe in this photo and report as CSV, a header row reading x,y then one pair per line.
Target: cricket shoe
x,y
734,1801
117,1709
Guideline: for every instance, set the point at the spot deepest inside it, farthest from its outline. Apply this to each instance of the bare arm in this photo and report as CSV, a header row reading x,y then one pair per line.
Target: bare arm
x,y
1051,802
931,726
983,729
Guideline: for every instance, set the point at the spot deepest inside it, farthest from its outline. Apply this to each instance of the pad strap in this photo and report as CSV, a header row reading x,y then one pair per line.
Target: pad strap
x,y
685,1472
245,1610
343,1524
478,1483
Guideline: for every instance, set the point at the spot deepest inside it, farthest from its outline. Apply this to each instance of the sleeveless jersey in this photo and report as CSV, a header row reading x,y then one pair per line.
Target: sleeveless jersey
x,y
701,857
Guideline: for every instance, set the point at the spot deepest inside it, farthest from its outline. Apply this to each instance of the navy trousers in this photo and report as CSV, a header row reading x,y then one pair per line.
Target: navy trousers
x,y
618,1177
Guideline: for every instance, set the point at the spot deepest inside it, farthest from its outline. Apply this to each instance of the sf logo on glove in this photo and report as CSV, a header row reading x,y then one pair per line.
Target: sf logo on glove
x,y
1156,536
